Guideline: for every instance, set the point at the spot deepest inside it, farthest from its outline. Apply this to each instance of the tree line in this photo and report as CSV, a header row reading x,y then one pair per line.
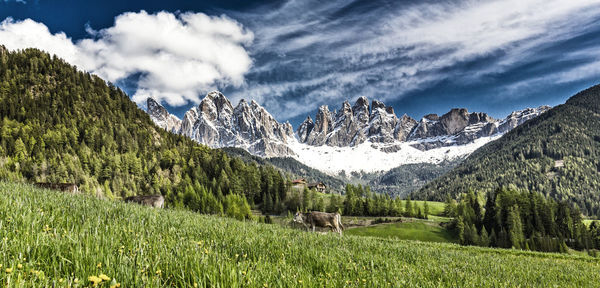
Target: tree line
x,y
521,219
361,201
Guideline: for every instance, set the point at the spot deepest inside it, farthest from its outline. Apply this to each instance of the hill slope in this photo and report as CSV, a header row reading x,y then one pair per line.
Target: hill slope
x,y
59,124
557,153
60,240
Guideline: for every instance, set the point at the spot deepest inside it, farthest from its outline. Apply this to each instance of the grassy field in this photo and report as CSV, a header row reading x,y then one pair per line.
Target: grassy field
x,y
422,230
53,239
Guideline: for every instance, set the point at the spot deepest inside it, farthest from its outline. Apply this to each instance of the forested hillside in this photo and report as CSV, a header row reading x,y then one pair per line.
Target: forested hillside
x,y
407,178
59,124
556,153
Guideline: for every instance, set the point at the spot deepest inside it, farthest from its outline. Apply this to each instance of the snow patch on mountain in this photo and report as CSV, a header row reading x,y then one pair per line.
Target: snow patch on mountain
x,y
370,157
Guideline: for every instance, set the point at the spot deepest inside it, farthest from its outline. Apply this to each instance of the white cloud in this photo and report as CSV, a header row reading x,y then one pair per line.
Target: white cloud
x,y
179,56
396,47
31,34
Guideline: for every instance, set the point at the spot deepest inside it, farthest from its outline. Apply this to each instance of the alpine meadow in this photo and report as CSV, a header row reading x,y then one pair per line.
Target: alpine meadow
x,y
288,143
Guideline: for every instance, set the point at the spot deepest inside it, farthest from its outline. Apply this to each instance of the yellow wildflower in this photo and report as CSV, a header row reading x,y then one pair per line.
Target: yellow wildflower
x,y
76,281
9,270
60,280
99,265
104,277
158,272
195,284
19,266
0,265
95,280
117,285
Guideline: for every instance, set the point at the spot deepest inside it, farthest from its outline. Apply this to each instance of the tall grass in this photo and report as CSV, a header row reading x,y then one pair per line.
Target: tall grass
x,y
52,239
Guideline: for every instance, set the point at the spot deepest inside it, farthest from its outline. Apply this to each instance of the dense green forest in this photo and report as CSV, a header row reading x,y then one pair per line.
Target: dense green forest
x,y
556,153
523,220
361,201
59,124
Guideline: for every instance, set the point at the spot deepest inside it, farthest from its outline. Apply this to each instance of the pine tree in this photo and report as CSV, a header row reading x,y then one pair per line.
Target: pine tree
x,y
408,210
485,240
460,227
515,227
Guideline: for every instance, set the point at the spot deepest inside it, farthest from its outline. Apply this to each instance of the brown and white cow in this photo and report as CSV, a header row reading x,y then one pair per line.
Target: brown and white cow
x,y
156,201
320,219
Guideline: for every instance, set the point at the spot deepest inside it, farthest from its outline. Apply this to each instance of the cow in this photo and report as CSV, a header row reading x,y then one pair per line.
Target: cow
x,y
65,187
156,201
320,219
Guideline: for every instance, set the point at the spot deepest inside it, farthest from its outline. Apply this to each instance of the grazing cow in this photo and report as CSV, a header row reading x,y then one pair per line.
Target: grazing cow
x,y
320,219
65,187
156,201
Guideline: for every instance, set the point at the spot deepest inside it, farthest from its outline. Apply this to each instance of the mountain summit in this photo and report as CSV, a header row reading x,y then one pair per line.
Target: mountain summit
x,y
216,123
377,123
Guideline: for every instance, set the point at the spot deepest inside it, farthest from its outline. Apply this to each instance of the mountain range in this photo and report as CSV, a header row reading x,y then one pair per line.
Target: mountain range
x,y
362,131
556,154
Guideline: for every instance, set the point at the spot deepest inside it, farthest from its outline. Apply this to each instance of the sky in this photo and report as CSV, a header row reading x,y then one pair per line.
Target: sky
x,y
290,56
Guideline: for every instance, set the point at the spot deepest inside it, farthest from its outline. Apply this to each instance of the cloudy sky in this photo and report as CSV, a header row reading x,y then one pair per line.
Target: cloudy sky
x,y
292,56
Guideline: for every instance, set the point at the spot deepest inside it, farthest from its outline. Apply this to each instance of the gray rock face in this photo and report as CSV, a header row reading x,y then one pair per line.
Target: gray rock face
x,y
353,125
517,118
161,116
377,123
216,123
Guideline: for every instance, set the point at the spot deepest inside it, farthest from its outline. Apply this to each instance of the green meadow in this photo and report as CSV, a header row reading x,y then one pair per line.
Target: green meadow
x,y
414,229
51,239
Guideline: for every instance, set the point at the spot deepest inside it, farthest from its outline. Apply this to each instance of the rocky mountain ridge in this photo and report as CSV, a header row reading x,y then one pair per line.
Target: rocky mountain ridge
x,y
370,129
377,123
216,123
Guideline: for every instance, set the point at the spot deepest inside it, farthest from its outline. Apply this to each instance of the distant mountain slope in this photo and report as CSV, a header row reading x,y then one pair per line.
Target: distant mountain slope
x,y
291,166
59,124
556,153
405,179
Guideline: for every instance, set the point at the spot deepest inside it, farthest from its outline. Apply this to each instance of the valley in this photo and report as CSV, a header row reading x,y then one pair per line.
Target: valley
x,y
81,240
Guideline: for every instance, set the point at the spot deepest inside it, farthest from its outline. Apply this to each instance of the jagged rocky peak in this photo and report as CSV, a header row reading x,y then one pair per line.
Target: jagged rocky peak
x,y
353,125
455,121
304,129
361,110
382,123
517,118
216,123
322,126
404,126
215,106
377,123
161,117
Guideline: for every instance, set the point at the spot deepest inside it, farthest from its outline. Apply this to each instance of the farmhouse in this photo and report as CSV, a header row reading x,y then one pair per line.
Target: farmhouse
x,y
299,182
318,186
